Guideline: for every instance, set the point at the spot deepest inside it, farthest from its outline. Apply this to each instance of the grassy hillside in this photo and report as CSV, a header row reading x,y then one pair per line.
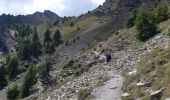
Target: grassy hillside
x,y
67,30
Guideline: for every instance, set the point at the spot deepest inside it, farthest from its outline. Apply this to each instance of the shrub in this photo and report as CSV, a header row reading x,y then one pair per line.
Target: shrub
x,y
145,24
12,93
161,12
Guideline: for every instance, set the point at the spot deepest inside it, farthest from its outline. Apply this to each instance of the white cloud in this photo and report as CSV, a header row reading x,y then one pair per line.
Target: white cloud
x,y
98,2
61,7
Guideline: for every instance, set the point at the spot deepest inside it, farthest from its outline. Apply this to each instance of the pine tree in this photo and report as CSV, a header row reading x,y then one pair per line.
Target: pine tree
x,y
24,51
47,36
28,81
12,66
3,80
57,37
36,45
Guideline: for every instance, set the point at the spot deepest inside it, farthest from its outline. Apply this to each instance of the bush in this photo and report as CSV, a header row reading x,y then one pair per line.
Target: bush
x,y
12,93
145,24
161,12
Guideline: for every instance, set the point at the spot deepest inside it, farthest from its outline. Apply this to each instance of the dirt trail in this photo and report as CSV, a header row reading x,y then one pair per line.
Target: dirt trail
x,y
111,90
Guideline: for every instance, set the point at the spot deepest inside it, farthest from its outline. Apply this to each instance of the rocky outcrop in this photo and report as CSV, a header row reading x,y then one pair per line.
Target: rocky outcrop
x,y
8,43
121,7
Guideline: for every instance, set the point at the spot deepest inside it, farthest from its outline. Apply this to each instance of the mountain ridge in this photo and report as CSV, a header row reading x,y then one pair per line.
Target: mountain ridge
x,y
36,18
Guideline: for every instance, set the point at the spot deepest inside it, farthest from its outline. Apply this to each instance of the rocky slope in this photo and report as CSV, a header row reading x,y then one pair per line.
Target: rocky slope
x,y
8,42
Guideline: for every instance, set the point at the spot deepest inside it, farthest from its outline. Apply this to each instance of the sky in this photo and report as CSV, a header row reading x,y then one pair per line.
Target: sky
x,y
60,7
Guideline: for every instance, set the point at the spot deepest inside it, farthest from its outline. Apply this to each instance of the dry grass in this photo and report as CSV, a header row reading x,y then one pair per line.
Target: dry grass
x,y
157,61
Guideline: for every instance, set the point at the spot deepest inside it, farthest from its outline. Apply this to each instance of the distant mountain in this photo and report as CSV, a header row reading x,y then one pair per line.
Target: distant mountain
x,y
36,19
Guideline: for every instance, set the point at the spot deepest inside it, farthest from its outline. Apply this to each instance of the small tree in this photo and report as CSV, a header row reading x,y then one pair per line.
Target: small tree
x,y
57,37
145,24
28,81
24,51
12,93
47,41
12,66
47,36
3,82
44,72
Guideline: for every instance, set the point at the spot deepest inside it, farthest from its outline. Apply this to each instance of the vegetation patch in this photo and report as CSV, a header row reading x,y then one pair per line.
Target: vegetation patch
x,y
84,94
154,68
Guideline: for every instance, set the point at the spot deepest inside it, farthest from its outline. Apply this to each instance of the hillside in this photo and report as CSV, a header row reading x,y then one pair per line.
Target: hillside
x,y
46,57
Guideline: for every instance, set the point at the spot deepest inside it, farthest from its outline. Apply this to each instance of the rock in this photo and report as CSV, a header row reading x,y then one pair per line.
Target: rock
x,y
147,84
7,42
156,95
113,87
126,95
134,72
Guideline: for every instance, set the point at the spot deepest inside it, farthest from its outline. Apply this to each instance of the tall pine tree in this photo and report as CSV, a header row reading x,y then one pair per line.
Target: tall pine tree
x,y
36,45
28,81
57,37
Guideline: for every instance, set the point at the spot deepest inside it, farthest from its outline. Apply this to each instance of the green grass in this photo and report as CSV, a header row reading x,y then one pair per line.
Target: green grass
x,y
84,94
67,30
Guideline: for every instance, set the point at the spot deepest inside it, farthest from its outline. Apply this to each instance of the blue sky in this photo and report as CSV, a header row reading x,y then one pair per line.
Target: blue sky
x,y
61,7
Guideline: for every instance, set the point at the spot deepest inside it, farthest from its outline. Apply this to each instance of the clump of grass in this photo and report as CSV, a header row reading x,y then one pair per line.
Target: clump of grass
x,y
84,94
69,64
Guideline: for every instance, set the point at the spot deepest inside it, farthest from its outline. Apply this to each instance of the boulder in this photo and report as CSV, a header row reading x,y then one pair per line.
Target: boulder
x,y
147,84
156,95
126,95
